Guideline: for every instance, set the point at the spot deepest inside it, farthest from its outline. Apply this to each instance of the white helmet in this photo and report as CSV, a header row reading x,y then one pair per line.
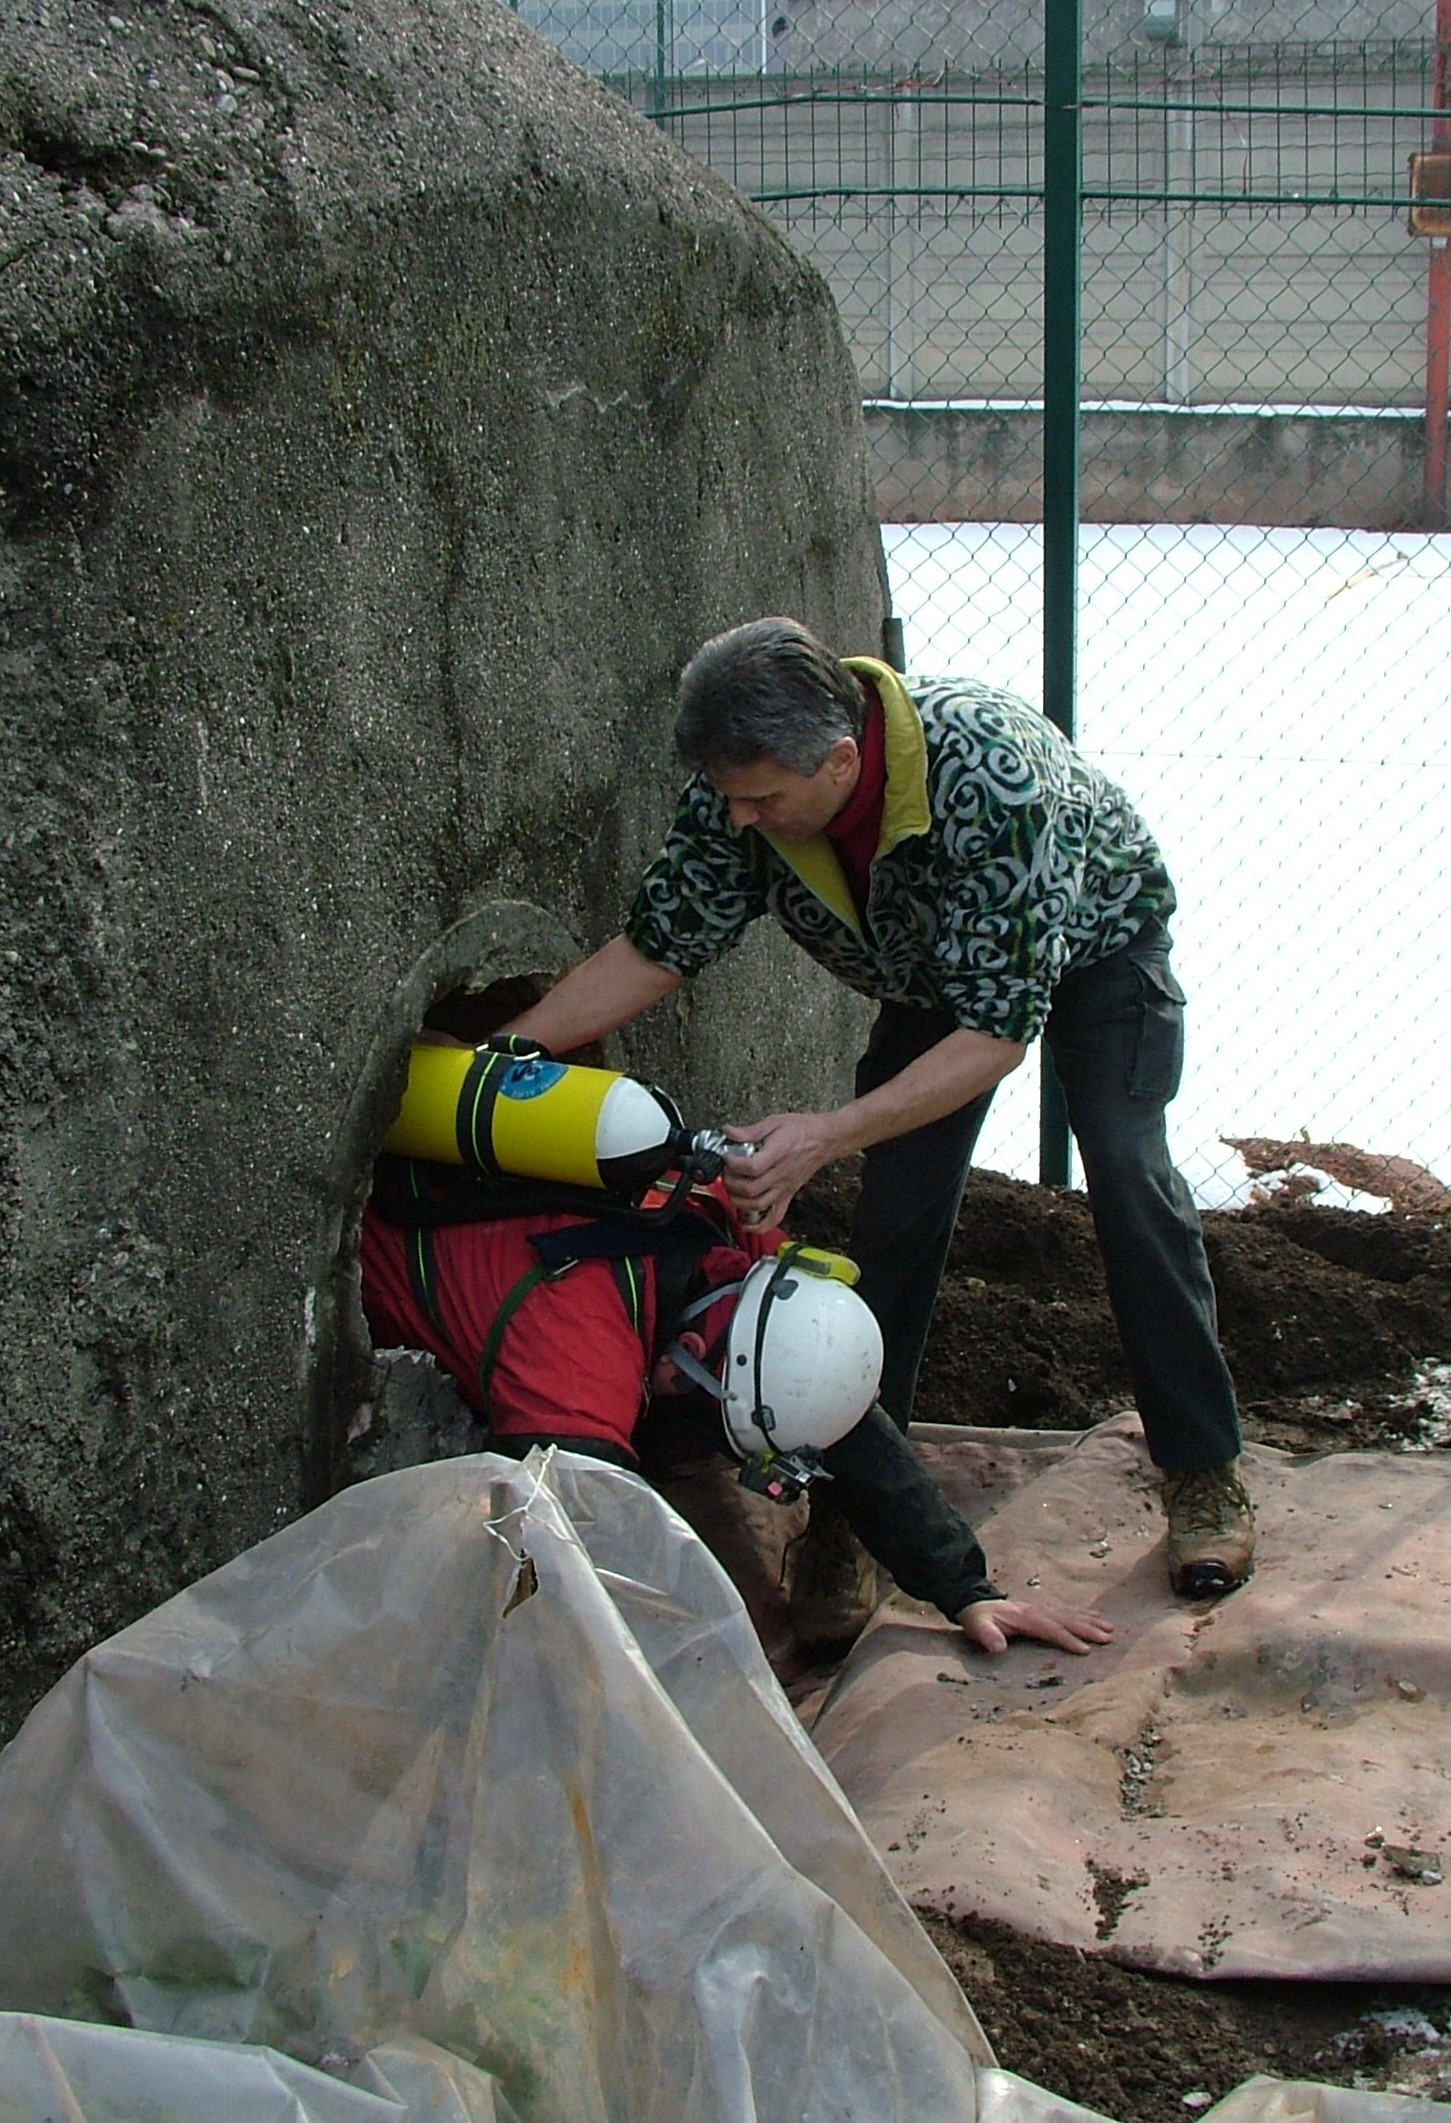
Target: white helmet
x,y
803,1355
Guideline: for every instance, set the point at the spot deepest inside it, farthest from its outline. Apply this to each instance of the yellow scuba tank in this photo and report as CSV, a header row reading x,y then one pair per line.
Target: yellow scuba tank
x,y
522,1113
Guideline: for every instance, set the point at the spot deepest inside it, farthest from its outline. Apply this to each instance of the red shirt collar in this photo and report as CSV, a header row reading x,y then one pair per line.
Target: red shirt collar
x,y
857,826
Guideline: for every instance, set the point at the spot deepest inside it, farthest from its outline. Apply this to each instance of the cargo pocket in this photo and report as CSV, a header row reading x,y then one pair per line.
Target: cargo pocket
x,y
1158,1057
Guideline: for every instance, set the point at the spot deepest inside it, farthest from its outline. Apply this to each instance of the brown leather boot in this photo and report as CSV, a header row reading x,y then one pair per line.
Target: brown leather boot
x,y
834,1585
1211,1530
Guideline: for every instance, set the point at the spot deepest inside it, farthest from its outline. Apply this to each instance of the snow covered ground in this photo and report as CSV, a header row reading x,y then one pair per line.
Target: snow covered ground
x,y
1278,702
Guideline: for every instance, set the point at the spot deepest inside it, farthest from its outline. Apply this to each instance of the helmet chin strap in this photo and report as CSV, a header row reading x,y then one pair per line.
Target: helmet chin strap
x,y
684,1362
690,1366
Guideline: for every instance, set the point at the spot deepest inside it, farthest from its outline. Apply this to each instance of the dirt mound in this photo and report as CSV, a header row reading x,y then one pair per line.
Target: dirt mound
x,y
1151,2049
1330,1318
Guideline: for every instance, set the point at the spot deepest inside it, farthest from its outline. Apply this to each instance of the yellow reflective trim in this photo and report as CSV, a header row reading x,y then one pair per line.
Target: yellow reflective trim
x,y
632,1291
425,1284
473,1123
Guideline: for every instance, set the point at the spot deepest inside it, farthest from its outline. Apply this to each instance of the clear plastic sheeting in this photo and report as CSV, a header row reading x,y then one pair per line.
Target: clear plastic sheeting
x,y
1263,2100
471,1799
59,2071
54,2068
427,2085
1258,1787
63,2071
483,1757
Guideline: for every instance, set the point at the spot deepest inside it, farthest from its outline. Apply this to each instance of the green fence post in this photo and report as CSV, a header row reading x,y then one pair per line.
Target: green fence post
x,y
661,42
1062,270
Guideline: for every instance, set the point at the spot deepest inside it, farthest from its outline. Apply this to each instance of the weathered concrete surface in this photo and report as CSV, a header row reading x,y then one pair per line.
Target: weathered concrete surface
x,y
985,465
385,415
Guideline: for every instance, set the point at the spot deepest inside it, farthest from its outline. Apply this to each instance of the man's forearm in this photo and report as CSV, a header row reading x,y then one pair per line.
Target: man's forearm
x,y
947,1077
791,1147
597,996
901,1517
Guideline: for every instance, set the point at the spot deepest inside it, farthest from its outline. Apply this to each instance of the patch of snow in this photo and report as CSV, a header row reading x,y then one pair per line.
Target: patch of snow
x,y
1218,1179
1431,1393
1308,1183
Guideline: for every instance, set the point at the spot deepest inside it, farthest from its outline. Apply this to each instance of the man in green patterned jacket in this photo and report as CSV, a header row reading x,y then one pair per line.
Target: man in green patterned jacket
x,y
943,850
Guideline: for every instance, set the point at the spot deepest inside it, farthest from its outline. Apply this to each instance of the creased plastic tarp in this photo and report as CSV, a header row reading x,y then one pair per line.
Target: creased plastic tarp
x,y
1260,1787
486,1757
60,2071
64,2071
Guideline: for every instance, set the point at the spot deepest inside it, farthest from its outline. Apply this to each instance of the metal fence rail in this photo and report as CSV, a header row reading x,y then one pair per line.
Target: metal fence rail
x,y
1242,394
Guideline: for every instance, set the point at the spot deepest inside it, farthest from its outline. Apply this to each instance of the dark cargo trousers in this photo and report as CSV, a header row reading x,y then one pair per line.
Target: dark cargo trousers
x,y
1116,1034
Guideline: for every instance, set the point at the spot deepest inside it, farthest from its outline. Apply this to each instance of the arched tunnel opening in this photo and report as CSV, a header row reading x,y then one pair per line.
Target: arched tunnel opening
x,y
376,1409
369,1410
413,1411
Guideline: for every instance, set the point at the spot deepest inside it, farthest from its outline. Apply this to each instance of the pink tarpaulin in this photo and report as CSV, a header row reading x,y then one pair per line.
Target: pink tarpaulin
x,y
1258,1787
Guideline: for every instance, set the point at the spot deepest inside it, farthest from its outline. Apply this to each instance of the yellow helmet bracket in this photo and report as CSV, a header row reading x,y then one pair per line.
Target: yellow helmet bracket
x,y
820,1261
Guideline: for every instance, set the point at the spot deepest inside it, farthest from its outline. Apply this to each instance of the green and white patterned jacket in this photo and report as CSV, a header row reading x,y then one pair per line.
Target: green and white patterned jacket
x,y
1004,860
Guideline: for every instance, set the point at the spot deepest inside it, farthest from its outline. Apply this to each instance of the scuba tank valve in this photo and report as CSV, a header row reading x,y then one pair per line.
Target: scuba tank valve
x,y
710,1148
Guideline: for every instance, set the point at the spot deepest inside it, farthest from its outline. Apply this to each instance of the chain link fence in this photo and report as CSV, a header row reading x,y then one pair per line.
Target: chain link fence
x,y
1264,565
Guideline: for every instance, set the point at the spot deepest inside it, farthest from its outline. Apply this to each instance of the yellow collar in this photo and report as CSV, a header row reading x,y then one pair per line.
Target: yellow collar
x,y
818,866
905,808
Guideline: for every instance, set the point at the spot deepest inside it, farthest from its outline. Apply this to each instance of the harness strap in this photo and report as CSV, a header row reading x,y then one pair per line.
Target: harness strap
x,y
422,1273
420,1197
629,1279
489,1355
630,1282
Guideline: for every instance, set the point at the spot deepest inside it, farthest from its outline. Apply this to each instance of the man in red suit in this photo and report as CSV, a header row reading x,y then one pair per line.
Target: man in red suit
x,y
559,1331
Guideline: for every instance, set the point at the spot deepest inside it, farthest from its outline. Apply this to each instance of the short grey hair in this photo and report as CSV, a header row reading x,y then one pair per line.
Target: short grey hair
x,y
767,690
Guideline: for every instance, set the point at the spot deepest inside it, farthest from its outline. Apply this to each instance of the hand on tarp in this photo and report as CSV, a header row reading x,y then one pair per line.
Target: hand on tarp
x,y
991,1624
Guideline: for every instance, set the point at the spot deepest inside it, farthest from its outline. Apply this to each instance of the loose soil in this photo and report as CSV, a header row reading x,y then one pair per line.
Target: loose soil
x,y
1152,2049
1333,1321
1337,1327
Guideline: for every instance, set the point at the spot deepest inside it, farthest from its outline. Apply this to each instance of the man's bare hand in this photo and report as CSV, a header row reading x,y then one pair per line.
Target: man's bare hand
x,y
990,1624
790,1148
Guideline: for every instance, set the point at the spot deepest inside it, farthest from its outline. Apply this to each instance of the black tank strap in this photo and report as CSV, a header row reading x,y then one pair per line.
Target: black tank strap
x,y
413,1191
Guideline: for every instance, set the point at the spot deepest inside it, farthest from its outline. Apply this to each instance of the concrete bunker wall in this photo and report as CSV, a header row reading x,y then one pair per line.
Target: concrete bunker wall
x,y
385,415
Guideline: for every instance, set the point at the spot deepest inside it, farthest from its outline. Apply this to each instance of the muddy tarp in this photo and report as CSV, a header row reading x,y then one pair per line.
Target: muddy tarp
x,y
1260,1787
488,1757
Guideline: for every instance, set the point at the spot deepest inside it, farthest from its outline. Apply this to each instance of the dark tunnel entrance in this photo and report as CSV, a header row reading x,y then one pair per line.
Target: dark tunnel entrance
x,y
367,1416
